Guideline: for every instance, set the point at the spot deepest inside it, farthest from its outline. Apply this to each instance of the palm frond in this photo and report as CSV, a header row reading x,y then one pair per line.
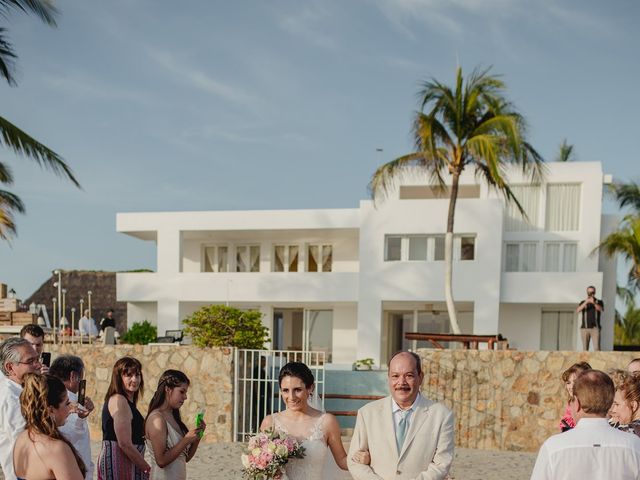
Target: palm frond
x,y
45,9
565,152
6,176
24,144
626,194
382,181
7,58
9,203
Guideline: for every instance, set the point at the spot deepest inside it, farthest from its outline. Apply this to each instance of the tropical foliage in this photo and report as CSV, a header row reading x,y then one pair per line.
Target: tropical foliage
x,y
471,125
221,326
565,152
626,329
12,137
140,334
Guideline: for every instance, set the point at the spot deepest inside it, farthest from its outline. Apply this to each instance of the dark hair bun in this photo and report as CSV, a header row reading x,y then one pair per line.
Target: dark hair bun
x,y
298,370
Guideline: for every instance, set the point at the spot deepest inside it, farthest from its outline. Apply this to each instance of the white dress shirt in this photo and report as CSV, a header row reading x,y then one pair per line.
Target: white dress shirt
x,y
397,413
593,450
87,326
11,423
76,430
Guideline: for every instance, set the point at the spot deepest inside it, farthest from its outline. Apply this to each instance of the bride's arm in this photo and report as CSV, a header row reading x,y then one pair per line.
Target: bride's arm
x,y
267,423
332,431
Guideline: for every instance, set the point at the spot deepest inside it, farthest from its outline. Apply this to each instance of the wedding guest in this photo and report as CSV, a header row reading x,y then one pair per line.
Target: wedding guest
x,y
17,358
70,370
634,366
34,334
87,325
170,442
625,410
108,321
41,452
567,421
122,454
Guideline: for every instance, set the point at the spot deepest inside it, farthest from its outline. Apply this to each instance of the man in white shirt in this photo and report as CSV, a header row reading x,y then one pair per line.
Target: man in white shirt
x,y
17,358
87,325
70,369
593,450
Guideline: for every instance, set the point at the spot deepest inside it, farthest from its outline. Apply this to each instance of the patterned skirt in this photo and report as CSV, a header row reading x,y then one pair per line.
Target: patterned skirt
x,y
113,464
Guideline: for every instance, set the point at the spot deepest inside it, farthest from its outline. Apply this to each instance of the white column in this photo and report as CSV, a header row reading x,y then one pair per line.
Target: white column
x,y
486,315
168,315
345,330
267,321
169,251
369,330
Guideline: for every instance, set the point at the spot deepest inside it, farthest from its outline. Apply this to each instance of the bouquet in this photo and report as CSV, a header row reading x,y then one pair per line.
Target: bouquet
x,y
267,454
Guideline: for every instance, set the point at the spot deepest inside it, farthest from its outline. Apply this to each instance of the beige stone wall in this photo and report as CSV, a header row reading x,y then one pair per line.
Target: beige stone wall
x,y
509,400
210,371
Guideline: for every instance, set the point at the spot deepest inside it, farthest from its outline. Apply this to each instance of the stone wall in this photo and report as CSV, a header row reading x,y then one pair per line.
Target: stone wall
x,y
210,371
508,400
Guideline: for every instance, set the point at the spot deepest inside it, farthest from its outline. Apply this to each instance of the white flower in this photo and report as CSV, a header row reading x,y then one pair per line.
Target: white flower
x,y
245,461
281,450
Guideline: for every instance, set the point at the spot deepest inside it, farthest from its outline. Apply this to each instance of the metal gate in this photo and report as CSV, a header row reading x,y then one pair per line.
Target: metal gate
x,y
256,392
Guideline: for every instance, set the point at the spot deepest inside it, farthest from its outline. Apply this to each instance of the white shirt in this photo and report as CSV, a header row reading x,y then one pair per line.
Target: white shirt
x,y
88,327
11,423
593,450
397,413
76,430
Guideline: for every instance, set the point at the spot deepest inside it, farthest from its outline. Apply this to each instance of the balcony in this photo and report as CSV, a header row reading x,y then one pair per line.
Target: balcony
x,y
547,287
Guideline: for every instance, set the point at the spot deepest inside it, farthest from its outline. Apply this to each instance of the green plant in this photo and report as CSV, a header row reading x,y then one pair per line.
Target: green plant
x,y
140,334
221,326
365,363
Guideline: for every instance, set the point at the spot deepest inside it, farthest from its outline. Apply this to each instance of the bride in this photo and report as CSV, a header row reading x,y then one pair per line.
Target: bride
x,y
316,430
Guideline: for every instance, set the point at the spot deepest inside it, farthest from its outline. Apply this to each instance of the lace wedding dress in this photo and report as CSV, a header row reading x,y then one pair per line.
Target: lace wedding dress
x,y
311,467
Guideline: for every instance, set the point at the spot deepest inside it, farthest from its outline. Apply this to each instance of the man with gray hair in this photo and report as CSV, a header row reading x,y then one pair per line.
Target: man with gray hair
x,y
17,358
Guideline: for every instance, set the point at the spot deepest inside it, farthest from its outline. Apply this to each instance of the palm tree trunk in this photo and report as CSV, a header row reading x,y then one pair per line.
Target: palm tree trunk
x,y
448,256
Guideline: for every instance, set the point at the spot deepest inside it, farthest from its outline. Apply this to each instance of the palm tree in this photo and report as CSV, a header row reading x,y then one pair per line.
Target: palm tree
x,y
565,152
13,137
627,195
470,125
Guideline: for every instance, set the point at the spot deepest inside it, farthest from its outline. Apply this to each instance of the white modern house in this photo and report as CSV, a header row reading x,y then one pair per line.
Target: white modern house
x,y
352,281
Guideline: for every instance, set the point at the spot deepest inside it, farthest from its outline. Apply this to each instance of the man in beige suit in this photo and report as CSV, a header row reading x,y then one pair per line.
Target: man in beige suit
x,y
407,435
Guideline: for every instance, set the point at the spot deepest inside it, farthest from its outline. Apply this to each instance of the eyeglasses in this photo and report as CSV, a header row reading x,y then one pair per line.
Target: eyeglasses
x,y
31,361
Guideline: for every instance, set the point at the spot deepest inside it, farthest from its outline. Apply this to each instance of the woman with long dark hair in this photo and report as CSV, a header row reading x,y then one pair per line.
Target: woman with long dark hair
x,y
41,452
122,454
169,440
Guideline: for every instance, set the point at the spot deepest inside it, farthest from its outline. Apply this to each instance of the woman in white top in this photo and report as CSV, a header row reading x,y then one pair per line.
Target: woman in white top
x,y
169,441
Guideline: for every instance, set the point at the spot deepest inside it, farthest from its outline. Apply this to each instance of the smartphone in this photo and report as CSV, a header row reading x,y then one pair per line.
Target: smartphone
x,y
45,359
82,388
199,419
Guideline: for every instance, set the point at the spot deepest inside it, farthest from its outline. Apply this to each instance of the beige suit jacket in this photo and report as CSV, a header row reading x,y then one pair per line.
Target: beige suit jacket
x,y
427,452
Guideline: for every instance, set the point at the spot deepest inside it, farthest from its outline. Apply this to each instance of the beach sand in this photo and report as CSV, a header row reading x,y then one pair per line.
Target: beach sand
x,y
221,461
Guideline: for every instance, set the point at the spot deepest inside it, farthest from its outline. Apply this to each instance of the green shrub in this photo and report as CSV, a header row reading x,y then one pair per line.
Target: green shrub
x,y
221,326
140,334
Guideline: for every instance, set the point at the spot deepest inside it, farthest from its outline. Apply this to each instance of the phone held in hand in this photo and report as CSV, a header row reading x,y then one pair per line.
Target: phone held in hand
x,y
82,388
45,359
199,420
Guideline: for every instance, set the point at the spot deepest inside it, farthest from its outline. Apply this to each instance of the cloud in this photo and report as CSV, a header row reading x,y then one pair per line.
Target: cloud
x,y
308,24
200,79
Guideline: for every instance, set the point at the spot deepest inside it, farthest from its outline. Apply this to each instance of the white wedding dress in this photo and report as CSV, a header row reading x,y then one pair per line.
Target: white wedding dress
x,y
312,466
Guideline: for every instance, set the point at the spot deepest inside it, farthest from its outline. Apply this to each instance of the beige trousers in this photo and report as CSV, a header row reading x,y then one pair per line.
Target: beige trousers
x,y
590,334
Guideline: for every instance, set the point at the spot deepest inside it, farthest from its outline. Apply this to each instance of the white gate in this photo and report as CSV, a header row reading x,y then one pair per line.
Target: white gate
x,y
255,385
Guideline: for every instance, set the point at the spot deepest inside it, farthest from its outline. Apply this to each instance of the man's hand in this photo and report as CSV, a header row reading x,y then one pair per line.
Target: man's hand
x,y
44,369
83,411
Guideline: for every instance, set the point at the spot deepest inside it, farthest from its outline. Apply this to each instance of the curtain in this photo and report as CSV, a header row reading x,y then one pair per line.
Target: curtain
x,y
209,256
551,257
293,258
222,259
569,257
327,258
563,207
241,259
529,198
566,330
549,331
313,254
529,263
511,258
278,264
255,258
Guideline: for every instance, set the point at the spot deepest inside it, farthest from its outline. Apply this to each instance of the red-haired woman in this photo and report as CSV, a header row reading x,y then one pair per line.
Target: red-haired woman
x,y
626,405
122,454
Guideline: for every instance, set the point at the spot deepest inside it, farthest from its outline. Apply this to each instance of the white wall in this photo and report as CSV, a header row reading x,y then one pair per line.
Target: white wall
x,y
138,312
520,324
345,329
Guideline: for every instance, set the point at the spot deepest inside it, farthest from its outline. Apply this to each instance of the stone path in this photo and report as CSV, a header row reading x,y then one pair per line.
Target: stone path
x,y
221,461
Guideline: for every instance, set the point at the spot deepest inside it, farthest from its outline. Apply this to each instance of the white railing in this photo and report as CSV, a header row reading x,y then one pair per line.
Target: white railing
x,y
256,388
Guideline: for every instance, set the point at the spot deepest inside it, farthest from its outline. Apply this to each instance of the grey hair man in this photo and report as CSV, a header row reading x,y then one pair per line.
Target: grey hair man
x,y
17,358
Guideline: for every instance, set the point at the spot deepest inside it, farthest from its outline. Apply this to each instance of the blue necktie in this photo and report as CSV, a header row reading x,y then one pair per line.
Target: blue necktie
x,y
401,429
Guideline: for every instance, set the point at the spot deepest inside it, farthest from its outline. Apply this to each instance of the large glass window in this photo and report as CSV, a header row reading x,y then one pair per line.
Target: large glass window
x,y
418,247
563,207
467,248
216,259
427,248
557,331
285,258
319,258
529,198
560,256
393,249
520,257
248,258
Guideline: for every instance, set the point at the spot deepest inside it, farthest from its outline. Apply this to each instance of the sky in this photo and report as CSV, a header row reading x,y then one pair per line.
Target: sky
x,y
219,105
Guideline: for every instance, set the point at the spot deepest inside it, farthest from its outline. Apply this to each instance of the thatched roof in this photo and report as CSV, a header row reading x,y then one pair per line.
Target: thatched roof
x,y
77,283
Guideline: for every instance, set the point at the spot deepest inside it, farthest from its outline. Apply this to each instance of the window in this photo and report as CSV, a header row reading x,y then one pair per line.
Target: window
x,y
557,331
427,248
520,257
560,256
316,262
216,259
248,258
529,198
563,207
285,258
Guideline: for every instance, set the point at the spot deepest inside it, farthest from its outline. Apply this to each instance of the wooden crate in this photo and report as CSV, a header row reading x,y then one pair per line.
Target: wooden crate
x,y
3,290
9,305
22,318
